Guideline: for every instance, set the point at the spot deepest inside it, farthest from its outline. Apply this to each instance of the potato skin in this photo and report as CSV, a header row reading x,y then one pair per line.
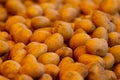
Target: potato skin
x,y
111,75
23,77
46,77
117,70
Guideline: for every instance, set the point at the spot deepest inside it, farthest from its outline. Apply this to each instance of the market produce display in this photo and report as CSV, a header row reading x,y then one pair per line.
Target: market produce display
x,y
59,39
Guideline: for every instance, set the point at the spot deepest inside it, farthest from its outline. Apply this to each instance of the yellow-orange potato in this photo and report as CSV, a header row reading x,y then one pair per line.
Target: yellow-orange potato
x,y
4,47
97,46
36,48
68,14
117,70
34,70
47,5
100,32
16,47
78,40
15,7
89,58
65,62
111,75
34,10
65,52
87,6
28,24
97,72
29,59
52,69
113,38
49,58
9,68
48,29
40,22
21,34
18,55
64,28
54,41
3,78
80,30
39,35
12,20
3,14
71,75
115,51
109,60
10,43
79,51
98,2
85,24
46,77
28,3
51,14
78,67
107,7
4,36
23,77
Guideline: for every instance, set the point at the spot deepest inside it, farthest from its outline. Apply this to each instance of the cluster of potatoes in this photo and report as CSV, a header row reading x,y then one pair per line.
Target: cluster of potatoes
x,y
59,39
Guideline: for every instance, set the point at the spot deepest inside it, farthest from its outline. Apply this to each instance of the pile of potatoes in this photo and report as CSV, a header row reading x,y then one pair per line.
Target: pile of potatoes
x,y
59,39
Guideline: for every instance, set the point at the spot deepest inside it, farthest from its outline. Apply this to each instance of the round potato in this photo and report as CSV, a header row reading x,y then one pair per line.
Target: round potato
x,y
46,77
111,75
115,51
49,58
78,40
9,68
40,22
3,14
23,77
92,46
109,60
47,5
54,42
4,36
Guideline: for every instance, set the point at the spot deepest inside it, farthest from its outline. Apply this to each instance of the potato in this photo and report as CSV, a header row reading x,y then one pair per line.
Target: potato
x,y
114,38
34,10
4,36
108,7
92,46
47,5
28,3
78,40
111,75
97,72
87,6
117,70
15,7
46,77
3,14
9,68
100,32
10,43
16,47
12,20
65,52
85,24
79,51
109,60
51,14
40,22
34,70
52,69
88,58
68,14
21,34
4,47
29,59
64,28
79,67
18,55
80,30
71,75
65,62
39,35
54,42
36,48
48,29
3,78
115,51
23,77
49,58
